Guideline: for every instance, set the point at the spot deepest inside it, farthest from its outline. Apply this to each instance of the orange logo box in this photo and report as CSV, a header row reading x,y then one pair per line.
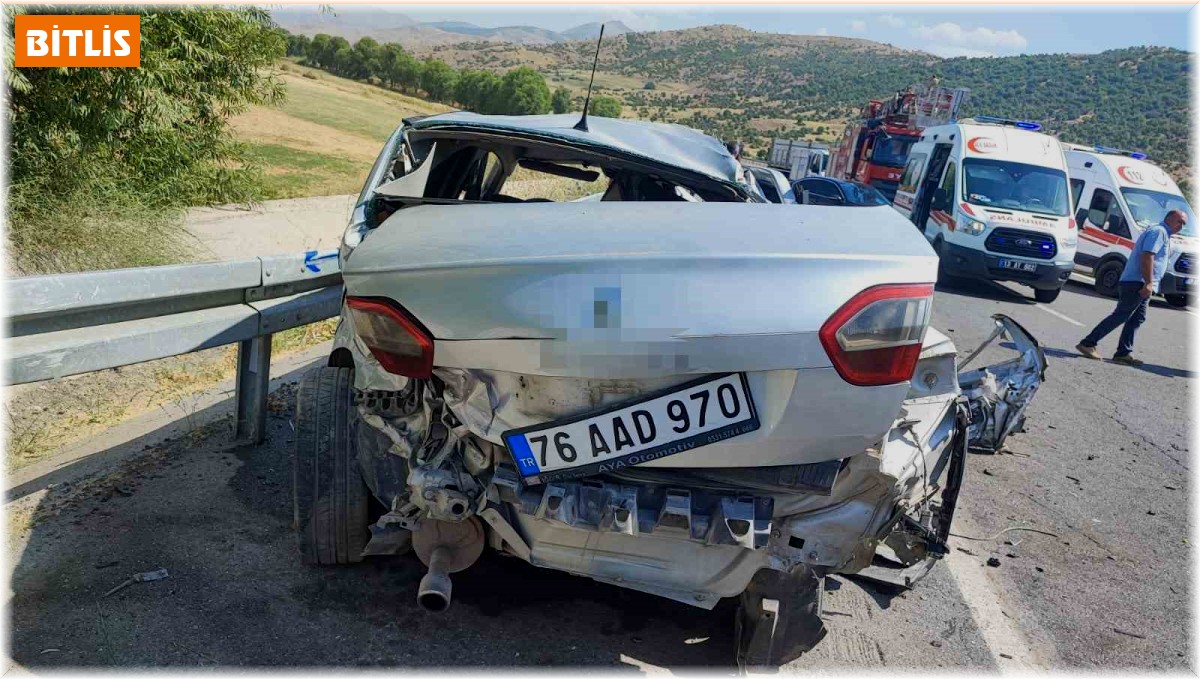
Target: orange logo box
x,y
81,40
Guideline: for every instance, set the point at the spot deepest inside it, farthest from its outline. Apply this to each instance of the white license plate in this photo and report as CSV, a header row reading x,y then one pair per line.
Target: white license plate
x,y
1017,266
692,415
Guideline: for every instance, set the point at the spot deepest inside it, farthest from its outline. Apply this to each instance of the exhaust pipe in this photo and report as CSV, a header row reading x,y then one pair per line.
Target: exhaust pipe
x,y
434,593
444,547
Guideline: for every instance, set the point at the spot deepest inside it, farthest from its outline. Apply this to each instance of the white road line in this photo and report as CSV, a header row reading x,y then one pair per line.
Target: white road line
x,y
999,632
1064,317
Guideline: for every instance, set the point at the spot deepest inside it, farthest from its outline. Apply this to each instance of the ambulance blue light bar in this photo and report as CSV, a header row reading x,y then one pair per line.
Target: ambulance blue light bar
x,y
1136,155
1019,124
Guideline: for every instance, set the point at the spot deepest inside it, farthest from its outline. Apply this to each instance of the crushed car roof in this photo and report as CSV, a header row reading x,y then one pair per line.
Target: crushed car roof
x,y
675,145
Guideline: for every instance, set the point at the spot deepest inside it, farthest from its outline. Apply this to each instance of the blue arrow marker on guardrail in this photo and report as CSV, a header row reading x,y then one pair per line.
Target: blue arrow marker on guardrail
x,y
311,258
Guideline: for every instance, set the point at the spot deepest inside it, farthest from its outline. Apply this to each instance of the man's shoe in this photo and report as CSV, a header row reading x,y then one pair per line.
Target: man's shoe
x,y
1126,360
1088,352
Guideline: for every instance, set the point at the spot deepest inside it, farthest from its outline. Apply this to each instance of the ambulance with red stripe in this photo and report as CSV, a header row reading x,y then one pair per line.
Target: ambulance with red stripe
x,y
1116,195
991,196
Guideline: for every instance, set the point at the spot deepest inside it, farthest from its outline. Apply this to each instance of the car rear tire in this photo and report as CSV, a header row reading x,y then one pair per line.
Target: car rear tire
x,y
330,500
1046,296
1108,278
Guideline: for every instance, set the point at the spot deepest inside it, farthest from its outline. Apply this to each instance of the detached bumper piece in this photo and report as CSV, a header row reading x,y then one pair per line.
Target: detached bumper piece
x,y
998,395
779,619
699,516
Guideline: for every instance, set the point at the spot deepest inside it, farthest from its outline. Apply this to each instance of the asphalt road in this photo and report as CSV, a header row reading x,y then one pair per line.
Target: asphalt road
x,y
1103,466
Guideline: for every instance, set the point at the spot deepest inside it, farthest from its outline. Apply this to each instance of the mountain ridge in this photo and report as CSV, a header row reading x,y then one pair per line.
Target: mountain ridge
x,y
386,26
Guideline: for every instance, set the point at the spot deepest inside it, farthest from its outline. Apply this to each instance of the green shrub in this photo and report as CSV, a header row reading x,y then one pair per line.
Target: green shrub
x,y
95,153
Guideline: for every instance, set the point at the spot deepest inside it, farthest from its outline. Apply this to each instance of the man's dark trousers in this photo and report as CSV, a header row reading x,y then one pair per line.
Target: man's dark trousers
x,y
1131,310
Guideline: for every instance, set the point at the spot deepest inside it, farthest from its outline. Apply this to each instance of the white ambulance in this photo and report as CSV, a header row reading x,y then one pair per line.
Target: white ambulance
x,y
992,197
1116,195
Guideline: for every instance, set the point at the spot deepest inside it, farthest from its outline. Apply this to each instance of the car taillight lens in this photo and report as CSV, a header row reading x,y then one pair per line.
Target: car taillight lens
x,y
875,338
397,341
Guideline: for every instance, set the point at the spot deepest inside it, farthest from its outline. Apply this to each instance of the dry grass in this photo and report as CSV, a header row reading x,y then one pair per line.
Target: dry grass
x,y
324,137
43,418
527,184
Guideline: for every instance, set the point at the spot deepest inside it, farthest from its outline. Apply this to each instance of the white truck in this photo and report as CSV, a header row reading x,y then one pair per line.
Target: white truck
x,y
1117,194
799,158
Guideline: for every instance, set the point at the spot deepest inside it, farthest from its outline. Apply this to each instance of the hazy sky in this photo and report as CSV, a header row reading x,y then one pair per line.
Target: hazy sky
x,y
948,31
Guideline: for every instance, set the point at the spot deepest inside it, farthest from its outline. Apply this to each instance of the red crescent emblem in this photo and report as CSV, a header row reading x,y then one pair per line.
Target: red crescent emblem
x,y
1130,175
982,144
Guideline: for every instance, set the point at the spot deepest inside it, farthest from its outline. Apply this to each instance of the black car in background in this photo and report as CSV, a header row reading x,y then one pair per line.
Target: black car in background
x,y
829,191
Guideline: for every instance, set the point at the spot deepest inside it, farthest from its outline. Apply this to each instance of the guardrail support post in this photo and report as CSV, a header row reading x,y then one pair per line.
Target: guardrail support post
x,y
253,381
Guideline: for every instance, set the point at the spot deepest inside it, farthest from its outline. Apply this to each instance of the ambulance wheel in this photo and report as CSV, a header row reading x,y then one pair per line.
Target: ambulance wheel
x,y
1046,296
330,500
943,276
1108,278
1176,300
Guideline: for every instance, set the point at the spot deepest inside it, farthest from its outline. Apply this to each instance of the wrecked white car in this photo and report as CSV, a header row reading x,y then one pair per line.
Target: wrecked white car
x,y
655,381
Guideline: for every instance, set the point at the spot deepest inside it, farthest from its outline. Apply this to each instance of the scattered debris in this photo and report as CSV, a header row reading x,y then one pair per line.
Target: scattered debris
x,y
964,550
1151,512
1170,487
935,643
1039,569
987,472
1011,555
106,564
50,650
1091,457
1074,479
1135,635
139,577
993,562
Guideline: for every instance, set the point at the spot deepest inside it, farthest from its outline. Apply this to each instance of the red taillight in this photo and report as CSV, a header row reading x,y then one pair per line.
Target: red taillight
x,y
1070,223
397,341
875,338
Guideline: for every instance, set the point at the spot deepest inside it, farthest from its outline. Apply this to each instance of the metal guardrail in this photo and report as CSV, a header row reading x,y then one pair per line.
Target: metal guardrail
x,y
69,324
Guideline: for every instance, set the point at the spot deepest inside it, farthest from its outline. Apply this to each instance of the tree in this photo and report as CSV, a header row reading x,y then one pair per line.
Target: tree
x,y
399,67
560,102
524,92
318,51
605,107
437,79
345,61
297,45
478,91
649,85
336,44
369,59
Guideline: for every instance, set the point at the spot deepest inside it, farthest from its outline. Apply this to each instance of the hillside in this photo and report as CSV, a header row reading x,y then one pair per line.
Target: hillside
x,y
388,26
324,136
733,82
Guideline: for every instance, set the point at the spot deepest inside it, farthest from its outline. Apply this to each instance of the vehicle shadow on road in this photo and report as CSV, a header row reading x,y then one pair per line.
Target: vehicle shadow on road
x,y
981,289
882,594
218,517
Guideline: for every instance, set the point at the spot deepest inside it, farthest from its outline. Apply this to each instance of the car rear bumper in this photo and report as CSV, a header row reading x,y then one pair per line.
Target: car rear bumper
x,y
969,262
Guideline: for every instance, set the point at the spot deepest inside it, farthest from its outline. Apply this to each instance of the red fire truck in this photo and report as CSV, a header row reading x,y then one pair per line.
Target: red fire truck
x,y
874,146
